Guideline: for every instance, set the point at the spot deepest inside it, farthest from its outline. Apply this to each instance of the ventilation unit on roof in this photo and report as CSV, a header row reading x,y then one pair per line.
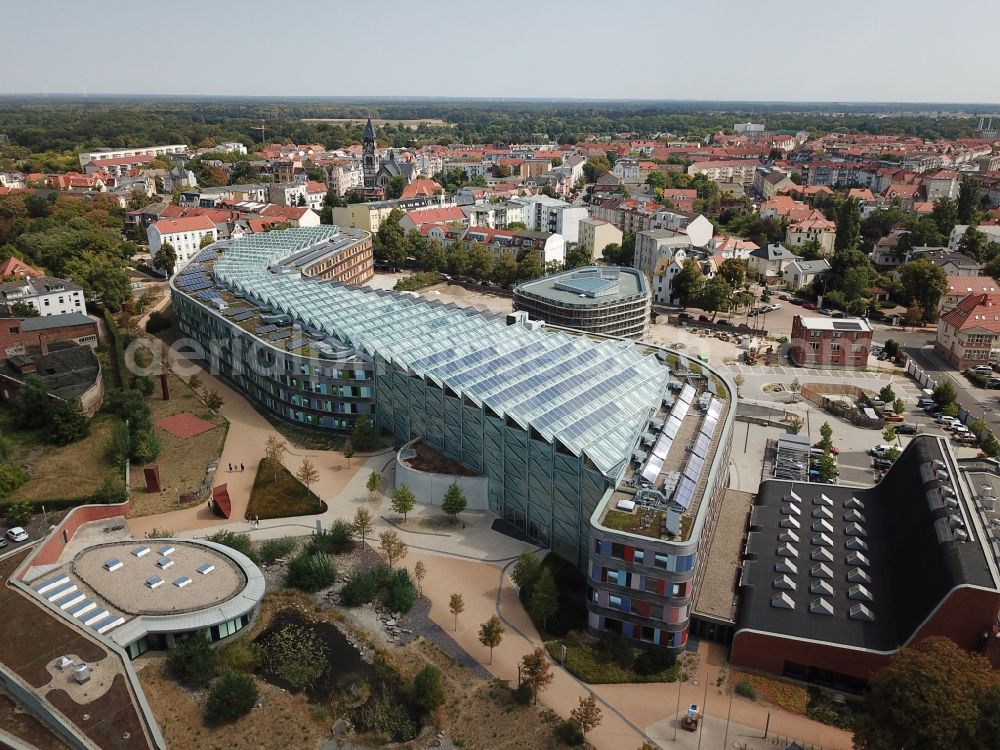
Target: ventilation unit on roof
x,y
854,542
784,565
821,571
858,558
822,500
861,612
787,550
855,529
857,575
955,521
784,582
854,503
941,475
960,535
951,503
790,509
822,540
821,587
938,464
853,516
822,525
859,593
789,523
822,554
947,492
820,606
782,601
793,497
788,536
822,512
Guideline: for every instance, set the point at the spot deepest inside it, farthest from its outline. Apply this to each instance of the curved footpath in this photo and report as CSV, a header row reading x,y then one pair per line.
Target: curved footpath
x,y
471,561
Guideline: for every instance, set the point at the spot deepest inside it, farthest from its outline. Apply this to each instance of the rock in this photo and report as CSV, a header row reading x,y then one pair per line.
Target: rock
x,y
390,623
340,728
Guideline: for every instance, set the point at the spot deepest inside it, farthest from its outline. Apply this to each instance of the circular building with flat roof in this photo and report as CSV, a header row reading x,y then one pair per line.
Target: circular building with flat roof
x,y
609,301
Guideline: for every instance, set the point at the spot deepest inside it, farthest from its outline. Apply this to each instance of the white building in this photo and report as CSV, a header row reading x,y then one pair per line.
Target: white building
x,y
286,193
652,245
343,178
184,235
800,273
119,153
627,170
992,232
545,214
47,294
230,147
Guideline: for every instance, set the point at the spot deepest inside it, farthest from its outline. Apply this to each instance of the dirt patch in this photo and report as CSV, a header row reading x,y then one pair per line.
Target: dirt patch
x,y
109,721
26,727
426,458
278,494
184,425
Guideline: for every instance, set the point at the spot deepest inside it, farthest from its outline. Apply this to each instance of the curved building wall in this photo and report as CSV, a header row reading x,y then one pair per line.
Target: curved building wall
x,y
430,486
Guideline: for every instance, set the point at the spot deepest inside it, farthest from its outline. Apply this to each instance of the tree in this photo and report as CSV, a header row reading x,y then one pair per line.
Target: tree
x,y
419,573
67,422
456,606
945,215
848,226
374,485
390,242
827,467
22,309
973,243
501,170
716,294
191,660
428,689
889,434
734,270
363,436
392,547
930,696
491,634
587,714
480,262
296,654
686,285
544,598
898,406
454,500
529,266
166,258
348,452
31,406
307,473
206,240
924,282
194,383
311,571
594,167
526,571
536,671
274,450
363,524
403,500
887,395
914,315
826,437
230,697
969,196
944,393
795,426
577,256
395,187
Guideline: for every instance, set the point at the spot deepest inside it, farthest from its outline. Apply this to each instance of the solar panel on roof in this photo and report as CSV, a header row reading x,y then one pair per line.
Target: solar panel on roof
x,y
242,315
662,446
652,469
845,325
685,493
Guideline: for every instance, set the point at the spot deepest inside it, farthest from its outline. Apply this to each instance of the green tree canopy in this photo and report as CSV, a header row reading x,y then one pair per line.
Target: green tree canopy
x,y
924,282
686,285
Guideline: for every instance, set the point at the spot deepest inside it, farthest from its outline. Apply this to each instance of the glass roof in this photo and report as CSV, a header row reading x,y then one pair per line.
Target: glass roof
x,y
595,397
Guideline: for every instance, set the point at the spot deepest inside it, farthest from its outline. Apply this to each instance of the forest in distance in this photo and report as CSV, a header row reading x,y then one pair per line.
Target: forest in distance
x,y
63,125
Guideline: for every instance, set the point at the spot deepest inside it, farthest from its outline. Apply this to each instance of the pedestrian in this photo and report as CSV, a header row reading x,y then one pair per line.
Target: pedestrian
x,y
241,467
230,467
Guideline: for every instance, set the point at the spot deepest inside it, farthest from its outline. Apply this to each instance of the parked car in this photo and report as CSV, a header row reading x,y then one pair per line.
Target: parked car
x,y
704,319
833,449
3,542
944,419
685,316
993,383
906,429
808,306
824,311
17,534
983,370
889,415
881,450
723,322
882,464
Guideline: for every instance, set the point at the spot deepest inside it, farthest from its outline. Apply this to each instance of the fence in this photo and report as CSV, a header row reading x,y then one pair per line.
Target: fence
x,y
838,408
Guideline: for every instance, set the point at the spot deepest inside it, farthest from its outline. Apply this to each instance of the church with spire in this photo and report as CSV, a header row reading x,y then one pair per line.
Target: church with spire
x,y
377,171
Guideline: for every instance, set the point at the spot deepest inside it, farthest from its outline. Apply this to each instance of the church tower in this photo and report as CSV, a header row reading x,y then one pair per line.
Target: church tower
x,y
369,155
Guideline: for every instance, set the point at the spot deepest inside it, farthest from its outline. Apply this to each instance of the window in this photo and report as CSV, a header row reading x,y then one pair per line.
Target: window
x,y
638,556
615,602
662,561
814,345
814,334
835,347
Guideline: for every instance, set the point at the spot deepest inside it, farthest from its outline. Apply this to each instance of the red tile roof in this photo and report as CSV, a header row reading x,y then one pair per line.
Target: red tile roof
x,y
313,186
419,187
975,311
184,224
17,267
435,215
285,212
121,161
965,285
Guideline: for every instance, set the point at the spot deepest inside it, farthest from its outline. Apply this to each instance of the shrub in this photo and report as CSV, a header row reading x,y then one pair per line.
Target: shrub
x,y
613,647
523,694
417,281
6,446
158,321
19,514
238,656
191,660
112,490
569,734
399,593
238,542
312,572
653,661
230,697
296,654
143,384
12,476
383,714
273,550
359,589
428,689
333,541
746,689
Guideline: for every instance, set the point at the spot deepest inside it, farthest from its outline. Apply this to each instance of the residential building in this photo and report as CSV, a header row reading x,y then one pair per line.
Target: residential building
x,y
597,234
952,263
70,373
343,177
315,195
942,184
969,333
830,342
768,264
821,231
47,294
607,301
550,248
116,167
544,214
653,244
17,267
230,147
960,287
286,193
835,580
991,232
888,252
418,217
738,170
183,234
121,153
666,269
802,273
562,426
369,216
179,177
627,171
731,247
295,216
494,215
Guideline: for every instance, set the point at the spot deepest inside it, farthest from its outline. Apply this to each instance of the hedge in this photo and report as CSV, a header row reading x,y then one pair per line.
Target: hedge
x,y
117,348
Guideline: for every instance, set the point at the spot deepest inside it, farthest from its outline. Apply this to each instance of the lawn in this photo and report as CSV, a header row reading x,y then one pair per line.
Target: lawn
x,y
589,664
59,472
279,494
631,522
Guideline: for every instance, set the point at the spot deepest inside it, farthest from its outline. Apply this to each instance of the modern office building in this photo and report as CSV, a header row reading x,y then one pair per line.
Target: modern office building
x,y
836,580
555,421
609,301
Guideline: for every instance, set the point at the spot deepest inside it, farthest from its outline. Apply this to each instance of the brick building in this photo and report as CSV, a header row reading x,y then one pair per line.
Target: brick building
x,y
34,335
830,342
835,580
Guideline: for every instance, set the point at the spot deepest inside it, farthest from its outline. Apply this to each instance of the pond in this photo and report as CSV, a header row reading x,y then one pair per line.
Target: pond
x,y
343,665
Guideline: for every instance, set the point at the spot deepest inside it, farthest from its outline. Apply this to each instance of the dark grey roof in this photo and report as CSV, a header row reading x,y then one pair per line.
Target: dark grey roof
x,y
812,266
67,373
889,552
55,321
773,252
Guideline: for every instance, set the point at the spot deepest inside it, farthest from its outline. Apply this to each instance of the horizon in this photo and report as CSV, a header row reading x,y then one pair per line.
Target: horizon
x,y
639,51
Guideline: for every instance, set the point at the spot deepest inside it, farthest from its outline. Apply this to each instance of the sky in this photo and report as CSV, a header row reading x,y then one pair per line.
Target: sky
x,y
746,50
